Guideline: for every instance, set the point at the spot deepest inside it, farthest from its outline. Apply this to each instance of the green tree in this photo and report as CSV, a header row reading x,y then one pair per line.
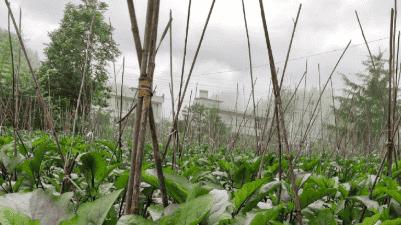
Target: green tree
x,y
206,124
362,111
21,66
83,38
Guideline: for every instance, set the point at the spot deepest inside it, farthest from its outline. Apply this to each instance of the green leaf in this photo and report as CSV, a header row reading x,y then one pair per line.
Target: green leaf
x,y
310,195
392,222
9,216
393,193
178,187
7,157
247,190
323,217
94,166
38,205
134,220
265,216
221,209
122,180
190,213
260,194
93,212
370,204
371,220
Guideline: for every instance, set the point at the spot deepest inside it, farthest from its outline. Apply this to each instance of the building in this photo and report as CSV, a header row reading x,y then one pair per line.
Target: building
x,y
235,118
128,101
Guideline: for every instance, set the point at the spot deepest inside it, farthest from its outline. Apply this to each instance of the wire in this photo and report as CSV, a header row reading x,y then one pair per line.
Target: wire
x,y
282,61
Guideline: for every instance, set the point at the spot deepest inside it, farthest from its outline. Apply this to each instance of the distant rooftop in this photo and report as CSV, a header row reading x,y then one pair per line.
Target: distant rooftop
x,y
130,92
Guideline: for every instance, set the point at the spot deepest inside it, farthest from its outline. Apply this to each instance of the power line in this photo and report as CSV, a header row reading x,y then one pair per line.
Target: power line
x,y
282,61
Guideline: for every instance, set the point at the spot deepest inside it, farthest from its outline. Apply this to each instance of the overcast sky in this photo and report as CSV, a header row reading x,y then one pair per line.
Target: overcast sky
x,y
324,26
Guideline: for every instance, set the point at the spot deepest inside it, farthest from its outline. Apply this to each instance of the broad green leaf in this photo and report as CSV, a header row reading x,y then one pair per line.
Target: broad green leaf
x,y
134,220
393,193
370,204
7,157
392,222
265,216
323,217
9,216
371,220
38,205
260,194
93,166
190,213
311,195
221,209
93,212
122,180
178,187
247,190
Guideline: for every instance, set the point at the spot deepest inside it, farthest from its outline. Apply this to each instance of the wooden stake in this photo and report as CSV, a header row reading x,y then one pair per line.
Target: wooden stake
x,y
280,117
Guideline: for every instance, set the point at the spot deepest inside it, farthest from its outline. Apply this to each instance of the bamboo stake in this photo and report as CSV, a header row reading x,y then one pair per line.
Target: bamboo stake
x,y
36,83
290,46
364,38
143,67
182,95
335,115
84,70
252,84
157,158
135,30
120,131
389,106
145,91
321,110
13,73
171,65
166,29
321,93
280,119
185,48
271,130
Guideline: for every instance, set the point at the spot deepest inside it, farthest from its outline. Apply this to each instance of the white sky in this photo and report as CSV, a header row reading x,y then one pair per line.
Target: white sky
x,y
324,25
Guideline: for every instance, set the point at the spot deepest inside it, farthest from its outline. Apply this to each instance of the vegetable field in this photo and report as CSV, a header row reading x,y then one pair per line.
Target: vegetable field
x,y
79,148
207,188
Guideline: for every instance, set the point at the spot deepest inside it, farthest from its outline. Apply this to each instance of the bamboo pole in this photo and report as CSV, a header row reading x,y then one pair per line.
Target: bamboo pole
x,y
185,87
364,38
134,29
257,149
84,70
145,92
280,119
290,45
321,93
321,110
389,106
36,83
143,67
120,131
157,158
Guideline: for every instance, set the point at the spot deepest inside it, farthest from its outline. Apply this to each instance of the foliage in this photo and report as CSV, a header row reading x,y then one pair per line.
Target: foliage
x,y
83,38
208,189
364,105
21,66
205,123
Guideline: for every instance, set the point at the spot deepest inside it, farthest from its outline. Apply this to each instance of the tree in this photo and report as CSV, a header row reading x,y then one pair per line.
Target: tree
x,y
21,67
83,38
206,125
362,111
